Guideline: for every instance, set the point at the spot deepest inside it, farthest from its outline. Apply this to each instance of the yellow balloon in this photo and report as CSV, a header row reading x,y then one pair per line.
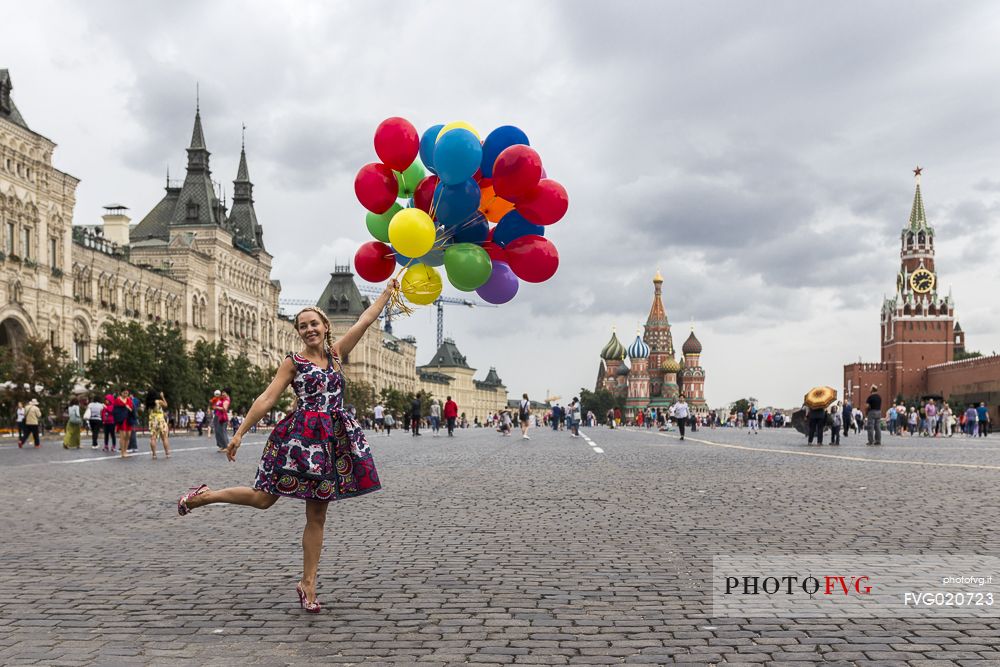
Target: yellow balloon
x,y
421,284
457,125
411,232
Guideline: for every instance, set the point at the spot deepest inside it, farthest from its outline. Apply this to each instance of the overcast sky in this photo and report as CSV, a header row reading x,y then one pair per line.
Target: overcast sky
x,y
758,153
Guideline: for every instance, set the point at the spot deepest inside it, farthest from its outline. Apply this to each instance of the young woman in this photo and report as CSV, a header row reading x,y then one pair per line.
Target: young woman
x,y
158,423
108,422
123,420
74,422
318,453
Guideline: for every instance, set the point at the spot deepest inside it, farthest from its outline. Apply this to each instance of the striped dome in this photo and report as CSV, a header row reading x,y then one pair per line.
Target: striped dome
x,y
614,350
671,365
638,349
692,345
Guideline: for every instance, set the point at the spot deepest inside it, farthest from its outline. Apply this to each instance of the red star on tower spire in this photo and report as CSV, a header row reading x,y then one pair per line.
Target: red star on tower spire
x,y
916,172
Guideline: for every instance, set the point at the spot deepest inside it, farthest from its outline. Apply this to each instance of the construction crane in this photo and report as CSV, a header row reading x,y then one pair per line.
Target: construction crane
x,y
440,303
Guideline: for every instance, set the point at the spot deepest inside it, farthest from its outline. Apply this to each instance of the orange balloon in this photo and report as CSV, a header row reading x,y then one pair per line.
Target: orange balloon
x,y
493,207
486,195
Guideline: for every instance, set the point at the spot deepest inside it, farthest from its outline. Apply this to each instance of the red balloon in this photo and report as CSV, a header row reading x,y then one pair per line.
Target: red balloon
x,y
376,187
423,196
496,253
532,258
489,234
545,204
516,171
374,261
397,143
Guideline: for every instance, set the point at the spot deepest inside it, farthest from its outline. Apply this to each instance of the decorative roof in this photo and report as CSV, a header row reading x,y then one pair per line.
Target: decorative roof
x,y
918,219
614,349
657,314
197,203
492,378
692,345
247,233
622,370
341,299
958,327
447,356
671,365
638,349
8,110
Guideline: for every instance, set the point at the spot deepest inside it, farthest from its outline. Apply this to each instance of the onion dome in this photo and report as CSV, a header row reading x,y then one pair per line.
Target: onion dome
x,y
622,370
692,345
614,350
638,349
671,365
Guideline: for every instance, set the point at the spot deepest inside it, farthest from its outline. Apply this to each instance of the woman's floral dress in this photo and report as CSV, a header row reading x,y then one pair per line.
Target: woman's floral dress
x,y
319,451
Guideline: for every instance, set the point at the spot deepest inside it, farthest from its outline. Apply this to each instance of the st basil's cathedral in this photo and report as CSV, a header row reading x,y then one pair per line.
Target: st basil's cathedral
x,y
653,378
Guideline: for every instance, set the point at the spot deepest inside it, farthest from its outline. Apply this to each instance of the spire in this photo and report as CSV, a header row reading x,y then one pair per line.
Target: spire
x,y
247,233
918,219
197,136
197,203
657,314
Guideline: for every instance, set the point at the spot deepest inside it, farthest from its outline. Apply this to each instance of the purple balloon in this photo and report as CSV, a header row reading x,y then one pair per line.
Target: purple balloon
x,y
501,287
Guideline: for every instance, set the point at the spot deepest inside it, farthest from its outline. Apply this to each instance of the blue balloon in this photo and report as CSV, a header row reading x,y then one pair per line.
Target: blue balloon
x,y
457,155
433,258
427,147
499,139
474,231
514,226
402,260
454,204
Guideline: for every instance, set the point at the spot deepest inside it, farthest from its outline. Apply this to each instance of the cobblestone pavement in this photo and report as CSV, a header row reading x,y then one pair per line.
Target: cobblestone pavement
x,y
483,549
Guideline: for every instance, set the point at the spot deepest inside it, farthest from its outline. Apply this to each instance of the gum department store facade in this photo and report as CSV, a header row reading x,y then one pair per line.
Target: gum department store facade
x,y
190,261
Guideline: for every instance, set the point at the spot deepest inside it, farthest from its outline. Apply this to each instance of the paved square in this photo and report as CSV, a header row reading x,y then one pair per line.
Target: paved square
x,y
484,549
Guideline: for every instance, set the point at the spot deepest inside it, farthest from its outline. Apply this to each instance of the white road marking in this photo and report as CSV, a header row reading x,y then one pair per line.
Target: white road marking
x,y
117,457
593,445
863,459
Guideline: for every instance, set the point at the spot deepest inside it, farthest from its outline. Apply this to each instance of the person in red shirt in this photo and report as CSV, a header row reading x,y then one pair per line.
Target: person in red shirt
x,y
450,415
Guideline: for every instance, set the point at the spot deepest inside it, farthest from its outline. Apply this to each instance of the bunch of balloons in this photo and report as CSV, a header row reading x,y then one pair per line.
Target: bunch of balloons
x,y
481,213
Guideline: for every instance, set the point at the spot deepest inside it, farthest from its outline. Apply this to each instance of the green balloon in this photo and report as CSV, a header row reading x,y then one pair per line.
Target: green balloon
x,y
468,266
409,178
378,223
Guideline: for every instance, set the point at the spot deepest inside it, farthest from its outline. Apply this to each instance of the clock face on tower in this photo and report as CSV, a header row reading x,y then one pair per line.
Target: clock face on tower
x,y
922,281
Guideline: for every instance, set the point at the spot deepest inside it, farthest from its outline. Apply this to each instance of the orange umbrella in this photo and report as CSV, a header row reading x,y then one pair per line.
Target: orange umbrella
x,y
820,397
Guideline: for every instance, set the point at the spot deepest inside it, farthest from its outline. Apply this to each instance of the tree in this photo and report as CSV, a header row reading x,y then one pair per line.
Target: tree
x,y
37,365
173,370
246,382
967,355
361,395
127,358
210,367
741,405
599,402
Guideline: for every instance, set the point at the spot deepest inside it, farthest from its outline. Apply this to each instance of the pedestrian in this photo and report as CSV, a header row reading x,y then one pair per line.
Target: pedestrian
x,y
450,415
848,416
837,414
94,421
415,415
389,421
199,421
108,422
681,414
123,426
575,416
912,419
74,422
19,419
524,416
379,412
874,405
891,419
435,418
971,428
946,420
506,423
319,452
752,421
32,417
158,423
220,418
817,422
983,419
133,422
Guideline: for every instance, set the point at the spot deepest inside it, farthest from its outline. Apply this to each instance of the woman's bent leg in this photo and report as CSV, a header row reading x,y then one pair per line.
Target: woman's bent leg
x,y
236,495
312,545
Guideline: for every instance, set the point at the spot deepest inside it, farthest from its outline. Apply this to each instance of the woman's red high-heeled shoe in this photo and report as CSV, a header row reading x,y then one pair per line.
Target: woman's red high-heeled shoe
x,y
311,607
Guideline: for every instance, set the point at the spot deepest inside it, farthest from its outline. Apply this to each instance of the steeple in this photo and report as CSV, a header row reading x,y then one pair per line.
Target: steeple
x,y
918,219
657,314
197,203
247,233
